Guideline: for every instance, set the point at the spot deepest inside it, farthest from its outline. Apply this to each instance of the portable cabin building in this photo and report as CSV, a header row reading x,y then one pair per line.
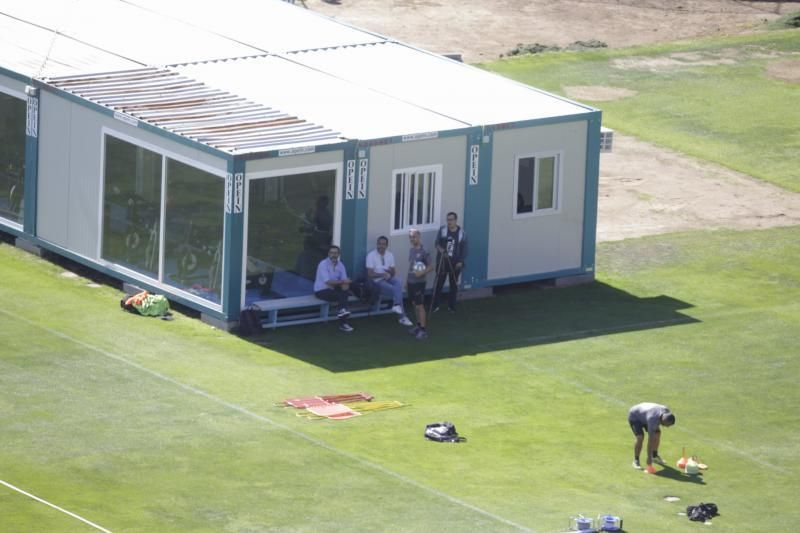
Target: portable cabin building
x,y
213,155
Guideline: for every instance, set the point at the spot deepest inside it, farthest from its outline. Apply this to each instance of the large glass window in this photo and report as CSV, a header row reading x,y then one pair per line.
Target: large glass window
x,y
289,228
131,206
416,198
12,157
193,230
536,184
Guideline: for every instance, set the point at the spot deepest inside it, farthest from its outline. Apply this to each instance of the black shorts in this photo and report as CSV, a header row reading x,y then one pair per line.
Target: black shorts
x,y
638,428
416,293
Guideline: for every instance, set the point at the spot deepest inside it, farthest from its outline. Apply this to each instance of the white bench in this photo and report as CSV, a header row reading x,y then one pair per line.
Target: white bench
x,y
309,309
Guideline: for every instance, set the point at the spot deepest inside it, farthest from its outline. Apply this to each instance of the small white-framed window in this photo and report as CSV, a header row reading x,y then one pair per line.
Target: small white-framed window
x,y
416,198
537,184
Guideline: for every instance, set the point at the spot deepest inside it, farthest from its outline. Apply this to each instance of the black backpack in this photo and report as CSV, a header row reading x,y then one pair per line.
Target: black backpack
x,y
701,512
362,290
443,432
249,322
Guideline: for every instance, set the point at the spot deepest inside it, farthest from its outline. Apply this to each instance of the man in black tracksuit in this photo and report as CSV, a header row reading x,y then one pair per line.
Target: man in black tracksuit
x,y
451,245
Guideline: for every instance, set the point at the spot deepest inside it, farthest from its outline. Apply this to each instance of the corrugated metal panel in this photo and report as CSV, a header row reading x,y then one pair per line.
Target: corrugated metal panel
x,y
127,30
34,51
347,107
434,82
271,25
169,100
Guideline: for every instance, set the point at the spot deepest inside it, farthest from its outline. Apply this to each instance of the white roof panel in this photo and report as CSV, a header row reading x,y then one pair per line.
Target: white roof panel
x,y
36,52
435,82
342,106
270,25
127,30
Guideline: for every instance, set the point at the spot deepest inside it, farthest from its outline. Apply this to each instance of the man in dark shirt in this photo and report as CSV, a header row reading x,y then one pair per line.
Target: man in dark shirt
x,y
451,245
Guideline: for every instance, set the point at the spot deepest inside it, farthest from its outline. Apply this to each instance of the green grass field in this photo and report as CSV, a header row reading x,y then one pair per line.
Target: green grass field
x,y
140,424
713,98
137,424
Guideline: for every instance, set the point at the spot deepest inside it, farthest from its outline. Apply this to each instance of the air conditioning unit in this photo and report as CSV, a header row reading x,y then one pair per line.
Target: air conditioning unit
x,y
606,140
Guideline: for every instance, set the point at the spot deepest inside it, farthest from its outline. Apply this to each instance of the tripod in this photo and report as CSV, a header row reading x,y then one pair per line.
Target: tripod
x,y
453,278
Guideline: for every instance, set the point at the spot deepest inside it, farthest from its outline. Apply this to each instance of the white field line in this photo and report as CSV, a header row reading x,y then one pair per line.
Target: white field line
x,y
510,345
56,507
261,418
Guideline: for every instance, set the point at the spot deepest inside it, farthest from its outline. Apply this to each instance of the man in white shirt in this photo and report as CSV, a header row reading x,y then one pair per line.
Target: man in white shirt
x,y
381,270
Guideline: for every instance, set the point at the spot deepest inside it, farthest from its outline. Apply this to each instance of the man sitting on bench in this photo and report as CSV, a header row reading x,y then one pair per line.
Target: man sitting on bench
x,y
333,285
381,270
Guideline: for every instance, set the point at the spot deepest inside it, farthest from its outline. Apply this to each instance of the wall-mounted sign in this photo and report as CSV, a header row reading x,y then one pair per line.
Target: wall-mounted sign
x,y
127,119
363,166
296,151
229,193
350,180
32,124
474,153
420,136
238,190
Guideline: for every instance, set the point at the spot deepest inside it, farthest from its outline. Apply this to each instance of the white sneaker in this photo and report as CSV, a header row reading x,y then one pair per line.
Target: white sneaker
x,y
397,309
659,460
636,465
347,328
405,321
343,312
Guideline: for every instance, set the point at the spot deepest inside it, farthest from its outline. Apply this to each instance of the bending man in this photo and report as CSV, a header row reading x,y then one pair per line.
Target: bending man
x,y
651,416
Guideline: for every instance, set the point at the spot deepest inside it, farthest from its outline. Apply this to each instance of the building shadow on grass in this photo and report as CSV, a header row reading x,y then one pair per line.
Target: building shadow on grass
x,y
516,316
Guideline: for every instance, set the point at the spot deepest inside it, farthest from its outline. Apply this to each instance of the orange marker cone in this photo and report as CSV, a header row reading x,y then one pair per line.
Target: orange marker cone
x,y
682,461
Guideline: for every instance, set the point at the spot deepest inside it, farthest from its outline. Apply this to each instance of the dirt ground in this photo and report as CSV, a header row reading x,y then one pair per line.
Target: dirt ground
x,y
644,189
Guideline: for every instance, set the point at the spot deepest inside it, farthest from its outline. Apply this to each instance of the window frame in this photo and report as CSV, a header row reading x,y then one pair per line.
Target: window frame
x,y
336,201
558,156
8,91
165,154
433,209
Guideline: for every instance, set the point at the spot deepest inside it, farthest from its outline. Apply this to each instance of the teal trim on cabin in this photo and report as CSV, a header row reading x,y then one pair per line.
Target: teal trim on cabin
x,y
360,246
590,193
423,136
477,207
31,177
139,124
541,121
16,75
234,239
300,150
533,277
353,219
170,292
11,230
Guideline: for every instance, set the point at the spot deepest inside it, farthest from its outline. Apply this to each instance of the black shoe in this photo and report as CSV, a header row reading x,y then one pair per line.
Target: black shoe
x,y
435,308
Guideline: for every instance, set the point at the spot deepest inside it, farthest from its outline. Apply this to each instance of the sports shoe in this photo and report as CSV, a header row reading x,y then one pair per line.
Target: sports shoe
x,y
405,321
421,335
397,309
659,460
435,308
636,464
343,312
347,328
451,309
414,330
